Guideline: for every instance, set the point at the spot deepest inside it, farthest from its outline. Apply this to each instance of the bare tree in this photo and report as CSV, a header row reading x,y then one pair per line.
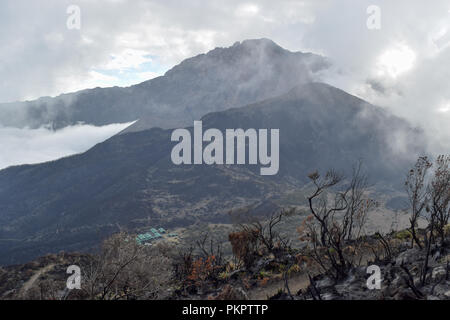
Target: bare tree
x,y
268,237
322,212
182,264
259,237
417,193
337,222
211,248
127,270
439,191
245,246
359,204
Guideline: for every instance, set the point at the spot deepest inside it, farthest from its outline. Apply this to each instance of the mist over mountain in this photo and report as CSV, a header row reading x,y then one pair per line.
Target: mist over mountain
x,y
130,180
246,72
30,146
224,151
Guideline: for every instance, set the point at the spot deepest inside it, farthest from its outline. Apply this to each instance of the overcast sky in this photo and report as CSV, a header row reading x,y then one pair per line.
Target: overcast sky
x,y
403,66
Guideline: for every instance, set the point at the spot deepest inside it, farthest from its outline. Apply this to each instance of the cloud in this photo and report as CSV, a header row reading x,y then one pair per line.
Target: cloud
x,y
247,10
399,67
44,58
121,42
128,59
29,146
395,61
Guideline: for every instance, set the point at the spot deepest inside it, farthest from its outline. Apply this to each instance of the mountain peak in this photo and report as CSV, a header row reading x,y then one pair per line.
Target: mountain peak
x,y
262,42
251,50
248,71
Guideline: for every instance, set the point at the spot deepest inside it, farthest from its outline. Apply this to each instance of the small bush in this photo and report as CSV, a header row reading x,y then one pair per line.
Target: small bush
x,y
263,274
403,235
447,230
224,275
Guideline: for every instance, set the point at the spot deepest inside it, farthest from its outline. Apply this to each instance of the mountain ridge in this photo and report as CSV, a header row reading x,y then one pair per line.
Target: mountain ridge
x,y
217,80
129,179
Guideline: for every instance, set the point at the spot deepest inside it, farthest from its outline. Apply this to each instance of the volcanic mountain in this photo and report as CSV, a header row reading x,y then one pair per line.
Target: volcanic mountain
x,y
128,180
248,71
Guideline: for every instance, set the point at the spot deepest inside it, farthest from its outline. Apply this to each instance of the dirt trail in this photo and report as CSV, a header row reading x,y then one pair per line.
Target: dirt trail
x,y
295,284
29,284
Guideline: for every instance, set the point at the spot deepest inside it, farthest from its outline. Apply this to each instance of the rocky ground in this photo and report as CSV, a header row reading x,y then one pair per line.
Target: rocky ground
x,y
400,271
401,279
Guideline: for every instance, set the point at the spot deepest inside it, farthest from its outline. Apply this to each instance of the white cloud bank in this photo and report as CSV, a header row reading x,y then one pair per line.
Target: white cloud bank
x,y
29,146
